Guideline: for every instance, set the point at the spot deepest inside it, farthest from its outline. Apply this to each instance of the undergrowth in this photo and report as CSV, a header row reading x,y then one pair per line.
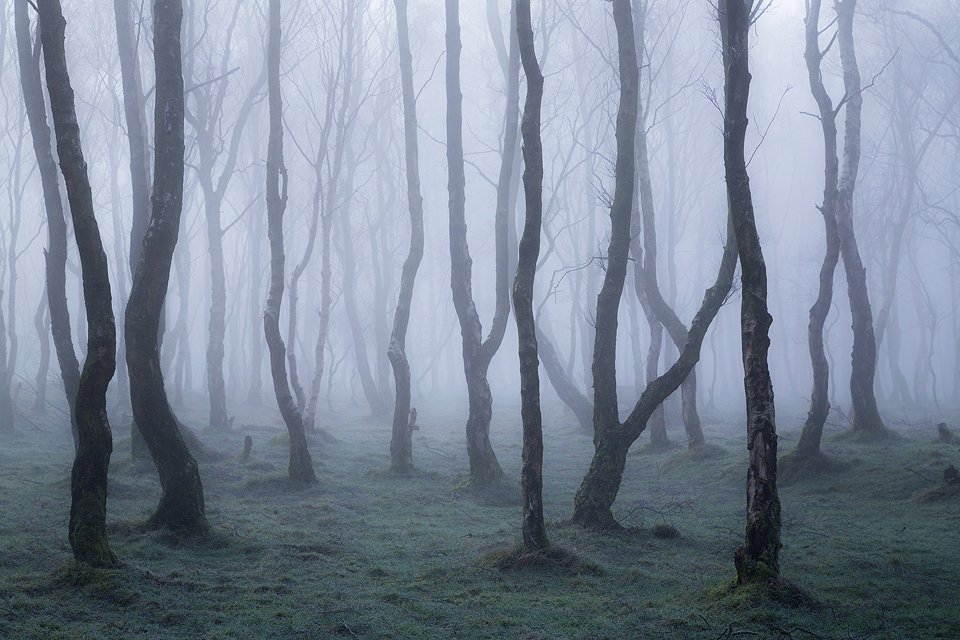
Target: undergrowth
x,y
370,554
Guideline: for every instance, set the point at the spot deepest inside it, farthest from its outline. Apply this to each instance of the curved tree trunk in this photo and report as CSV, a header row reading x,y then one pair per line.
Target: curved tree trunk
x,y
566,390
809,445
401,447
652,299
88,486
866,418
531,476
300,467
593,503
181,506
477,353
56,254
758,558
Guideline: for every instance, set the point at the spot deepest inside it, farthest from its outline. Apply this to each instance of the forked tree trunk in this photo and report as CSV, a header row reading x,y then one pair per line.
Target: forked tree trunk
x,y
809,445
593,503
56,254
477,353
531,476
181,506
401,447
300,467
866,418
758,558
88,480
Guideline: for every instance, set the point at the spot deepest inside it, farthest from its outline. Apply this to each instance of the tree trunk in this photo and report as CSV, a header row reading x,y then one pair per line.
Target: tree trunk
x,y
301,466
401,447
593,502
531,476
866,418
477,353
88,486
809,445
652,299
41,322
758,558
181,506
567,391
56,254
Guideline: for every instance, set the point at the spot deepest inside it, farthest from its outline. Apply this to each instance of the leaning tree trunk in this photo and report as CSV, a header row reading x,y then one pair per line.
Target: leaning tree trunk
x,y
866,417
531,476
758,558
477,353
56,254
809,445
401,447
88,485
593,503
181,506
300,467
564,387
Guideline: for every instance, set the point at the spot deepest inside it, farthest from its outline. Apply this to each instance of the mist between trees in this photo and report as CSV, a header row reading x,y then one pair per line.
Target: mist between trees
x,y
352,210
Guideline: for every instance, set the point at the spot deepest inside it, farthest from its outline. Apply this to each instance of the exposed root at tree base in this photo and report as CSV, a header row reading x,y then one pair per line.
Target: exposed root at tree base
x,y
555,558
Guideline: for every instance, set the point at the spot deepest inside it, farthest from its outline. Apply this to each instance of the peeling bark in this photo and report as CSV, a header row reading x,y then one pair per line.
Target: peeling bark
x,y
758,558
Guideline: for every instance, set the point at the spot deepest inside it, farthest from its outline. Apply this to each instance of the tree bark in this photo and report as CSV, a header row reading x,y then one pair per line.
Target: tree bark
x,y
809,445
867,423
401,447
181,507
758,558
56,254
300,467
531,476
88,486
484,467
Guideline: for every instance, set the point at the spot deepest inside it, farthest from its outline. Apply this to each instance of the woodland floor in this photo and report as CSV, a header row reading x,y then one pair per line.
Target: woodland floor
x,y
365,554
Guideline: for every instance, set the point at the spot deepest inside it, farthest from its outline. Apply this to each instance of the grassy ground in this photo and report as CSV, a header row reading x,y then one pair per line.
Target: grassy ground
x,y
365,554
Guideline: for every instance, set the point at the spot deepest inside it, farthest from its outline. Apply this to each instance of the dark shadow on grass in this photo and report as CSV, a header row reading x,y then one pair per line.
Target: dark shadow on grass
x,y
792,469
555,559
501,494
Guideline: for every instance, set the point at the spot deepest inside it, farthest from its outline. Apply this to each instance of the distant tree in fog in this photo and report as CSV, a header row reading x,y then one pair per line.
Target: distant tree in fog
x,y
401,448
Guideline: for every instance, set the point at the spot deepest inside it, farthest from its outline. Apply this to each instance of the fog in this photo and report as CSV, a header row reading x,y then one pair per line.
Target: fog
x,y
908,184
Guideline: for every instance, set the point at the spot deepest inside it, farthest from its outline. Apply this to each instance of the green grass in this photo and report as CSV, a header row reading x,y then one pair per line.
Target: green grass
x,y
368,554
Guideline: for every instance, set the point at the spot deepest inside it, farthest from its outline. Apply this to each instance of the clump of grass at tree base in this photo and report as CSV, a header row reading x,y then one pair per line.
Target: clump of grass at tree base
x,y
367,554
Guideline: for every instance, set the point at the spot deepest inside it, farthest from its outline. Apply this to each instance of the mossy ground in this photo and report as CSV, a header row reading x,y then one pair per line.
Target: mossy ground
x,y
369,554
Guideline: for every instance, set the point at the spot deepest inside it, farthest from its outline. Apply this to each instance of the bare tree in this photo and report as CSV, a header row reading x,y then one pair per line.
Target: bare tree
x,y
867,423
300,466
56,254
612,439
88,480
477,352
531,477
401,448
181,507
758,558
